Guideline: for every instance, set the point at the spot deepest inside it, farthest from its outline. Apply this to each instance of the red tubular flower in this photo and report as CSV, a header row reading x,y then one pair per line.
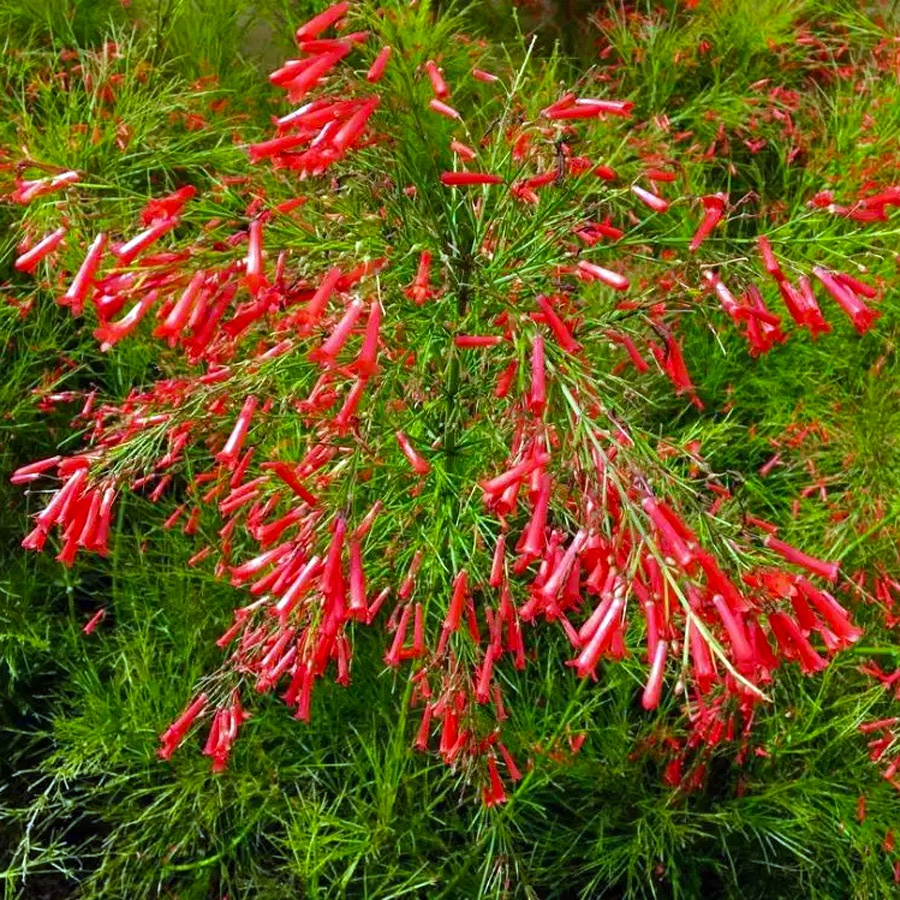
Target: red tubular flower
x,y
855,286
589,271
812,314
494,793
485,77
253,267
450,736
392,657
521,191
634,355
505,380
275,146
33,471
363,528
455,610
75,296
90,528
549,591
443,109
358,604
796,306
409,582
537,399
704,673
289,476
672,363
769,261
133,248
762,524
419,291
251,568
167,207
862,316
653,688
351,402
26,191
177,319
485,674
228,455
298,587
366,363
94,621
890,196
110,333
376,70
878,725
542,180
477,340
353,127
806,618
586,108
223,732
463,179
737,634
829,609
587,660
532,544
506,502
793,644
766,661
509,762
438,85
594,232
593,622
172,737
28,261
714,208
300,85
656,203
326,45
497,561
828,571
316,305
332,581
317,24
652,618
557,326
418,646
763,326
726,298
564,102
327,353
675,540
421,466
421,741
465,153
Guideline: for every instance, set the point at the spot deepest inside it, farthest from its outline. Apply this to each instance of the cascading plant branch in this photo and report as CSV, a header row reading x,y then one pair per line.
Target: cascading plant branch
x,y
398,390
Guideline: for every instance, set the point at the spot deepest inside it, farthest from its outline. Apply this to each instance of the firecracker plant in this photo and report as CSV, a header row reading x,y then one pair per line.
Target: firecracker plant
x,y
407,370
389,400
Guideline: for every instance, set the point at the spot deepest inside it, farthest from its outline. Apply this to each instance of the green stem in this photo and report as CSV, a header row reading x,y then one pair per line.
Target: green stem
x,y
211,860
451,412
